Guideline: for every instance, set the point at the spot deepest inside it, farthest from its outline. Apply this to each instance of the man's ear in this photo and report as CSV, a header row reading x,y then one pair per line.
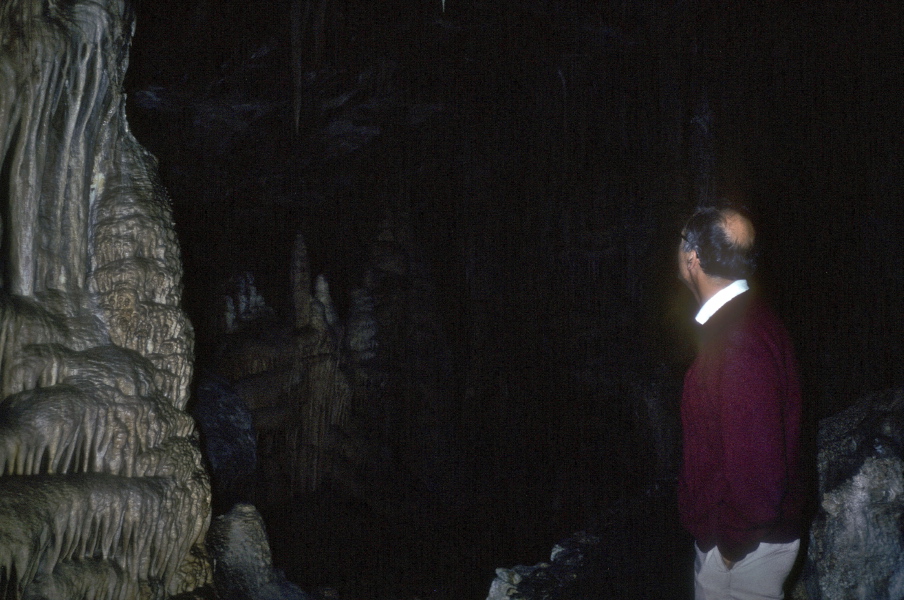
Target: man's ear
x,y
693,264
692,258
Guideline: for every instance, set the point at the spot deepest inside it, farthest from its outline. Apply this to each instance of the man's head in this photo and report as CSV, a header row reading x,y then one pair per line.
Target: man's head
x,y
723,240
717,248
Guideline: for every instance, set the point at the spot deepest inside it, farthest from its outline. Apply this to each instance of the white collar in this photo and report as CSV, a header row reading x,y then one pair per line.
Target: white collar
x,y
720,299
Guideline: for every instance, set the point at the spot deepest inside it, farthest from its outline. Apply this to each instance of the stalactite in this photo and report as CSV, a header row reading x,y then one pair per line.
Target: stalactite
x,y
319,31
297,29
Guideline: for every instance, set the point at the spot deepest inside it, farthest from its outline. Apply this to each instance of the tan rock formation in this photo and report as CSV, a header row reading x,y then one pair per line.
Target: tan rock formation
x,y
290,377
102,491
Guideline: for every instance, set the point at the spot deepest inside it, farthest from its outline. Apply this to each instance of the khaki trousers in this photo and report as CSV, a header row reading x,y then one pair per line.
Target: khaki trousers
x,y
758,576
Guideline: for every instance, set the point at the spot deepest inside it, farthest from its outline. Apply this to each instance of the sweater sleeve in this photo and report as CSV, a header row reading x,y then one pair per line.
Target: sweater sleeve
x,y
755,466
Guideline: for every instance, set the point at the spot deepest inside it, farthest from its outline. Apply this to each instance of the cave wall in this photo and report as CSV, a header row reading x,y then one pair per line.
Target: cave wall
x,y
856,546
103,493
543,155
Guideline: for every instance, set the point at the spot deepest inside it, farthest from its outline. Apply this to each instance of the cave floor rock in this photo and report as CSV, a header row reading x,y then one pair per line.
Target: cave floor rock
x,y
635,550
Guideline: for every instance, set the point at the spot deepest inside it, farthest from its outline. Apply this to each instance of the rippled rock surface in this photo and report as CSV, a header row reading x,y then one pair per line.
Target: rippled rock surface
x,y
103,493
243,567
856,541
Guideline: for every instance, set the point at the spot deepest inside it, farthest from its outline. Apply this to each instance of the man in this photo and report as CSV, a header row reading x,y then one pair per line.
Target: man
x,y
740,490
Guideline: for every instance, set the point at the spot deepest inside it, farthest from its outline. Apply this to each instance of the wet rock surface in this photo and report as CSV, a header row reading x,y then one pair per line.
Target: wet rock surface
x,y
489,251
103,492
635,550
243,567
856,540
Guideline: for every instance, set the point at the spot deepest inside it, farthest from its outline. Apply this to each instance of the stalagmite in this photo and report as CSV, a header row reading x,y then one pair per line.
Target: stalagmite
x,y
301,283
361,333
322,293
103,493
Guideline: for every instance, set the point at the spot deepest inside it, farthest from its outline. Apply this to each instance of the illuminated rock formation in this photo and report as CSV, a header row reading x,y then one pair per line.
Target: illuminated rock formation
x,y
103,493
856,543
241,554
290,377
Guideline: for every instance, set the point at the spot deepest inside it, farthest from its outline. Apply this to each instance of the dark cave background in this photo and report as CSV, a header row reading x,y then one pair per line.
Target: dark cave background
x,y
542,156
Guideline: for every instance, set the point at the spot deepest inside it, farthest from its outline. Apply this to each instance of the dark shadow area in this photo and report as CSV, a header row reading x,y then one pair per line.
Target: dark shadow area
x,y
536,161
5,205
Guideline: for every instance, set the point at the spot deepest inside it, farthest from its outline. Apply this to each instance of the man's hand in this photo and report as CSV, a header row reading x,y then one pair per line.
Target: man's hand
x,y
728,563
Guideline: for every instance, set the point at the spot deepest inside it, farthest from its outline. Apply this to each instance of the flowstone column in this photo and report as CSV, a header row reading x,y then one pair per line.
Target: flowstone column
x,y
103,493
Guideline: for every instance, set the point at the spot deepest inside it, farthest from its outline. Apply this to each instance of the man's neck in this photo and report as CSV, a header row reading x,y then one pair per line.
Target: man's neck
x,y
720,298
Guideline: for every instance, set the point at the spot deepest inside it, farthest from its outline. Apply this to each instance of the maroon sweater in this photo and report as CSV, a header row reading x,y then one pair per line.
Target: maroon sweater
x,y
740,482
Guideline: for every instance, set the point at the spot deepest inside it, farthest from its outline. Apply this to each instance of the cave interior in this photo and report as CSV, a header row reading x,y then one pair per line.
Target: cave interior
x,y
521,169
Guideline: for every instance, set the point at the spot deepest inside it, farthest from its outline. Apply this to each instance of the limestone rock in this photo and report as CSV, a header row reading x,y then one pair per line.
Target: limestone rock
x,y
856,542
547,580
322,294
244,303
243,569
329,428
361,333
290,377
634,549
103,492
229,440
300,275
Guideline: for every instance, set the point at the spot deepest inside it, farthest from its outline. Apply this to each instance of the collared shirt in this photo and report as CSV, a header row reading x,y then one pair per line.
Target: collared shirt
x,y
720,299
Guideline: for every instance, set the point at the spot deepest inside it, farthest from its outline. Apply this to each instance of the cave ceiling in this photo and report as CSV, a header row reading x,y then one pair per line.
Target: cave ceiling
x,y
557,135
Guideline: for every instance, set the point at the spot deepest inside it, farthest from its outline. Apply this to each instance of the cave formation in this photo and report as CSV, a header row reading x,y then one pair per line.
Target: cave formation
x,y
103,491
426,258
